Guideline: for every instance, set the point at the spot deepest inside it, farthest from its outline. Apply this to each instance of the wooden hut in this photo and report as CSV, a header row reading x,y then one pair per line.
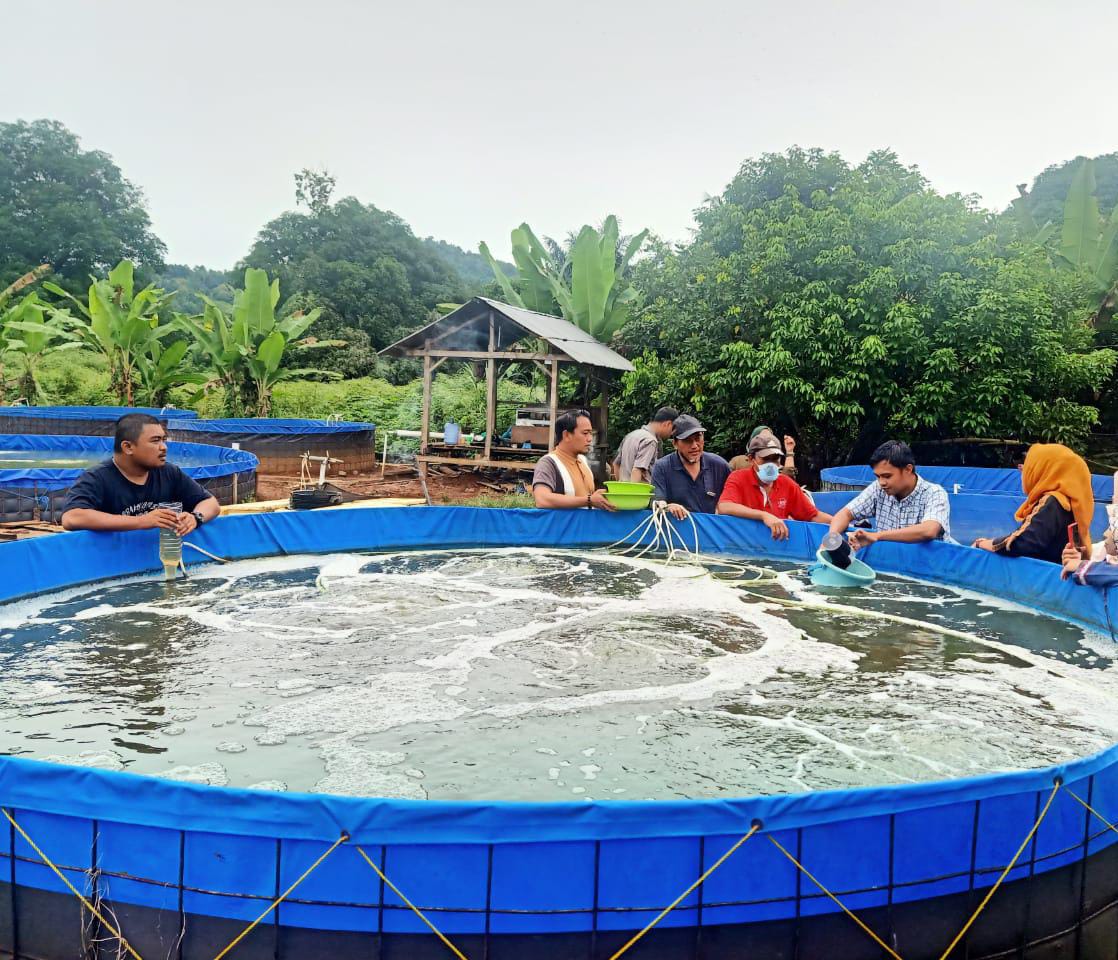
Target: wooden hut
x,y
491,335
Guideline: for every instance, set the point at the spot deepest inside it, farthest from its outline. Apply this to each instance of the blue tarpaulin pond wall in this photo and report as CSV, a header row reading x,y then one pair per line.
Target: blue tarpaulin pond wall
x,y
183,870
83,421
966,480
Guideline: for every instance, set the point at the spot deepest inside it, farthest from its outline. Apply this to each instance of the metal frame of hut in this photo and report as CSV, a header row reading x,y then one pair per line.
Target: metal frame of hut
x,y
489,332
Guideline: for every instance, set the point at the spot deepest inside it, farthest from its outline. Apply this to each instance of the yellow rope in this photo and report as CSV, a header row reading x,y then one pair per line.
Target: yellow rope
x,y
74,890
1004,873
419,913
676,902
842,906
283,896
1090,809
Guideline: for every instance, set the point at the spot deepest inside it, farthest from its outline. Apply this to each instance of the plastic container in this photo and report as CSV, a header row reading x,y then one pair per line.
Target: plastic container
x,y
837,548
628,488
629,501
451,432
170,543
826,574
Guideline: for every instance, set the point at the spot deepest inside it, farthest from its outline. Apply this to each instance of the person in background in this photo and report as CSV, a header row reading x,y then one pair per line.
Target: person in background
x,y
762,492
562,479
906,508
125,492
641,447
787,461
689,480
1057,483
1097,568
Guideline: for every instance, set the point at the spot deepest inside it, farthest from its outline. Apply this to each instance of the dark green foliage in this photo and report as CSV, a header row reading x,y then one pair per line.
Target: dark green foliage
x,y
1051,186
69,207
364,267
191,284
473,270
847,303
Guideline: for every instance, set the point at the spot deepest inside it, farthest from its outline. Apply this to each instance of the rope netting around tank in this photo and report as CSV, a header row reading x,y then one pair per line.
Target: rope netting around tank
x,y
755,829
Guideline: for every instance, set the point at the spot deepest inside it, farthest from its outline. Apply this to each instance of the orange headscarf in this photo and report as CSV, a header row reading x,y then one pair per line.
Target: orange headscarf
x,y
1051,468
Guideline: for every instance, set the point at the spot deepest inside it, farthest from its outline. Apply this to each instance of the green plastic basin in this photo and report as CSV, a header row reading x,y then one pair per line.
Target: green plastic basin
x,y
630,501
626,488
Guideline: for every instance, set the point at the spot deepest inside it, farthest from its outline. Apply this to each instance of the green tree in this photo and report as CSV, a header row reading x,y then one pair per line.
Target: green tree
x,y
847,303
364,267
69,207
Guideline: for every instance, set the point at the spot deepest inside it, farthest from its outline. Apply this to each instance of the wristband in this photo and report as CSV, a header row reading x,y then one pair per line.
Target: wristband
x,y
589,505
198,517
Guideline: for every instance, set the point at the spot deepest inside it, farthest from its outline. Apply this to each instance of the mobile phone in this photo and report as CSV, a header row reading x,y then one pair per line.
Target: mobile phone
x,y
1073,536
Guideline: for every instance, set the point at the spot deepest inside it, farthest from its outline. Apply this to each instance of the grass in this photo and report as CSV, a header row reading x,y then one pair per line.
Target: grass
x,y
81,378
507,500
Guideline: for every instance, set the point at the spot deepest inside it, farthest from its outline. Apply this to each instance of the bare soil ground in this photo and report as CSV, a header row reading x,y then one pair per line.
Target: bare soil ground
x,y
399,481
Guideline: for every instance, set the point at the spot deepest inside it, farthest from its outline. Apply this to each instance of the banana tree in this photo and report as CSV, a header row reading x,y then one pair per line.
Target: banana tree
x,y
121,324
1088,242
590,288
31,331
244,346
160,370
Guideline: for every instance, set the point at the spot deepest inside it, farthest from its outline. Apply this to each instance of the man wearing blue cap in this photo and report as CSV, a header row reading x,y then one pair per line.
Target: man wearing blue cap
x,y
689,480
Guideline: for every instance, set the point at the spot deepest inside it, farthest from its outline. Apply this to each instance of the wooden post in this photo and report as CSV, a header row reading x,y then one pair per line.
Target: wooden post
x,y
603,437
491,388
424,426
553,404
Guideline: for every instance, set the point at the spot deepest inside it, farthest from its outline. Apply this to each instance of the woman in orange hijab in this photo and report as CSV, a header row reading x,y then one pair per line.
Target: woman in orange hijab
x,y
1058,493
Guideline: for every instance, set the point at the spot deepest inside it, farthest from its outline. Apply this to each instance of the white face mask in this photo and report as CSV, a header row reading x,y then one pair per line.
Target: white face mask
x,y
768,472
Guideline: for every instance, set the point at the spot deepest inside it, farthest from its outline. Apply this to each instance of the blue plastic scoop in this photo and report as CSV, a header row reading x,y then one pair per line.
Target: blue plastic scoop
x,y
825,574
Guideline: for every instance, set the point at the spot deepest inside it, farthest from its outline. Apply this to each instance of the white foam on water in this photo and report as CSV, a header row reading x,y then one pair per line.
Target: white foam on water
x,y
487,651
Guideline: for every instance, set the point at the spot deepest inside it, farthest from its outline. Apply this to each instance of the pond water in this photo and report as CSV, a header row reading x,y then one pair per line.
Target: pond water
x,y
540,675
73,460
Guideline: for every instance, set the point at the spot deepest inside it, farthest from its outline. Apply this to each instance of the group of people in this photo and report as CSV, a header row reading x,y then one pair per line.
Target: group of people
x,y
1053,522
137,489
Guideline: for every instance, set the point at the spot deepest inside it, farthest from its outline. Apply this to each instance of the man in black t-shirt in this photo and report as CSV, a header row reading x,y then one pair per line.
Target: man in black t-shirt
x,y
124,493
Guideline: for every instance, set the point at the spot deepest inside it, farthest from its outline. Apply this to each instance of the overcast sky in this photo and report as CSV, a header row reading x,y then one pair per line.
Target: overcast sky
x,y
466,117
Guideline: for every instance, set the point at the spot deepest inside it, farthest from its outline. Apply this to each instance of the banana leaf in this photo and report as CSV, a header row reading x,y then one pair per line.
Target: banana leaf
x,y
1079,241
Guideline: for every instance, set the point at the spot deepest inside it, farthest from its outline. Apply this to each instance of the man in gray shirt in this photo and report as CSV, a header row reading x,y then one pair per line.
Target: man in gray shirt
x,y
641,447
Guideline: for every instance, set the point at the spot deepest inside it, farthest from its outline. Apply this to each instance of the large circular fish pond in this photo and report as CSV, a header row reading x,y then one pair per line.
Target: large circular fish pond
x,y
38,470
487,734
86,421
536,674
281,442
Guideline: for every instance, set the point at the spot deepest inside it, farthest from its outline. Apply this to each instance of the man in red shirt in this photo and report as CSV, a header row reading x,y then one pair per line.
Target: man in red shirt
x,y
762,492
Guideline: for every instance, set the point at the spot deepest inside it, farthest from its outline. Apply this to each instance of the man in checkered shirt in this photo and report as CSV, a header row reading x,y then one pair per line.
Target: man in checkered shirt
x,y
905,507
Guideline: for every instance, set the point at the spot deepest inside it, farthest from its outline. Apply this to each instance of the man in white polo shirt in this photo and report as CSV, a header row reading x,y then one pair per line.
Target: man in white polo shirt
x,y
905,507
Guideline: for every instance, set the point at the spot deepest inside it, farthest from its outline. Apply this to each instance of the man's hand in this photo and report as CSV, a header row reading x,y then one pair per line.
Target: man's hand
x,y
777,527
862,538
599,501
984,543
160,518
789,445
678,510
187,523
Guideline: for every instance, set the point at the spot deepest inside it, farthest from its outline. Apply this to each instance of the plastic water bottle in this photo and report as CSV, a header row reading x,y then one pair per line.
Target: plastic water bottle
x,y
451,433
837,548
170,544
